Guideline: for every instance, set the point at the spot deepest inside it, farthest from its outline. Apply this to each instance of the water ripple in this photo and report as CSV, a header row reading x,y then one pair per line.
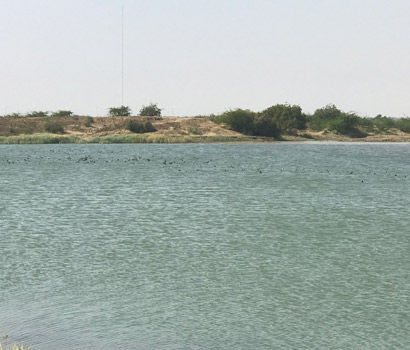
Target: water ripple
x,y
205,246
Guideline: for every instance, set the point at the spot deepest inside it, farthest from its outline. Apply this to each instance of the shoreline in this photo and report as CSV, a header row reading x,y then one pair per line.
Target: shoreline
x,y
45,138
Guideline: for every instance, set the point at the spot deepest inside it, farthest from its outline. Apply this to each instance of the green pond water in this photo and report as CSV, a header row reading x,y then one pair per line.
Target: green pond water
x,y
217,246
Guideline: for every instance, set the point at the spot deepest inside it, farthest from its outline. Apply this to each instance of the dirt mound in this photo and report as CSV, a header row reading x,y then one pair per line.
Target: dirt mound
x,y
87,127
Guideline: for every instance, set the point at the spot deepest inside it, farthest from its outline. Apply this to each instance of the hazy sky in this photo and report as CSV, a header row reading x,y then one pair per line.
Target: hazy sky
x,y
205,56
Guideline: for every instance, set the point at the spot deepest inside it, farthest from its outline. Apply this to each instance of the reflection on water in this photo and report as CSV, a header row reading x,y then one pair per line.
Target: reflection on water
x,y
205,246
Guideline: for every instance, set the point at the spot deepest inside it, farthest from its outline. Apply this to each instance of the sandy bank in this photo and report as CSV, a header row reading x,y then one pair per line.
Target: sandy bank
x,y
169,130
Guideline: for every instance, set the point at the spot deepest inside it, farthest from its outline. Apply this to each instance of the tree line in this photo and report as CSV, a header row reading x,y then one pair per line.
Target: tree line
x,y
271,122
151,110
289,119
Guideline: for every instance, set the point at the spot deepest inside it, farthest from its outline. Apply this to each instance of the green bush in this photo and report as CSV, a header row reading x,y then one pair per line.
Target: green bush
x,y
344,123
206,116
122,111
315,123
13,115
152,110
36,114
286,117
365,122
332,118
250,123
383,123
322,116
54,127
265,126
139,127
195,131
403,124
240,120
62,113
88,121
329,112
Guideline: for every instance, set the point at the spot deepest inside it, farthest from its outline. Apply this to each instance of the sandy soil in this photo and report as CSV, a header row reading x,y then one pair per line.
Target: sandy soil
x,y
392,135
103,126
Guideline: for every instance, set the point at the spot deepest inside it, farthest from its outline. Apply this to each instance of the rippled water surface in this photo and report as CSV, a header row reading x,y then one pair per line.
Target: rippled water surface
x,y
249,246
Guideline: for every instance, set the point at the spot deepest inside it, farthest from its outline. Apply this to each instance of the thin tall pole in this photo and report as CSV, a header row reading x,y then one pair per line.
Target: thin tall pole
x,y
122,56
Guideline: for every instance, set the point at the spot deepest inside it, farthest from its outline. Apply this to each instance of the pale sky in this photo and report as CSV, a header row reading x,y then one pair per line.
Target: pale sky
x,y
205,56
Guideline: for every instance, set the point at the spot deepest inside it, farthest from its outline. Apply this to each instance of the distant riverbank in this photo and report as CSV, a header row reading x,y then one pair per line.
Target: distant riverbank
x,y
168,130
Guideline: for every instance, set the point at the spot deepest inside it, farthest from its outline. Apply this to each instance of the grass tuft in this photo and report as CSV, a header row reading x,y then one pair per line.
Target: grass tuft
x,y
54,127
39,139
195,131
126,138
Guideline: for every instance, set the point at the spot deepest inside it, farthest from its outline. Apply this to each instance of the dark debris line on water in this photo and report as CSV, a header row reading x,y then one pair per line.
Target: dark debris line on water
x,y
89,159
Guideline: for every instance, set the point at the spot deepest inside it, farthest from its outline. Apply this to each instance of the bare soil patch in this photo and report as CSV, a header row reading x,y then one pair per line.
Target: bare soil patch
x,y
104,126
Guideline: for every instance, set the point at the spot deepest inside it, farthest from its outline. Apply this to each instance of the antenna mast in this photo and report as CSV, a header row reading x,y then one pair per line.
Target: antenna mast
x,y
122,56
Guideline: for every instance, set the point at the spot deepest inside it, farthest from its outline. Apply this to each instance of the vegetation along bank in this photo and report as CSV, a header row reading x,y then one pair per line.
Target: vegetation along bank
x,y
281,122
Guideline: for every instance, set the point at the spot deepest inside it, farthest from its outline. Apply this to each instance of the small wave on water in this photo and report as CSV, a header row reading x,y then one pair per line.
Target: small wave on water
x,y
251,246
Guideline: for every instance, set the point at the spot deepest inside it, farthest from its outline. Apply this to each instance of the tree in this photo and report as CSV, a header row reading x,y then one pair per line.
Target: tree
x,y
240,120
327,113
122,111
344,124
322,117
62,114
383,123
287,118
152,110
54,127
265,126
139,126
37,114
247,122
332,118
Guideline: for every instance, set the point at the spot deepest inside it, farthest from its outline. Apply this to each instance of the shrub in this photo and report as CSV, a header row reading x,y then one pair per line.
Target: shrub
x,y
240,120
383,123
286,117
62,113
329,112
151,110
315,124
206,116
139,127
195,131
250,123
332,118
88,121
13,115
122,111
365,122
322,116
403,124
265,126
37,114
54,127
344,123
